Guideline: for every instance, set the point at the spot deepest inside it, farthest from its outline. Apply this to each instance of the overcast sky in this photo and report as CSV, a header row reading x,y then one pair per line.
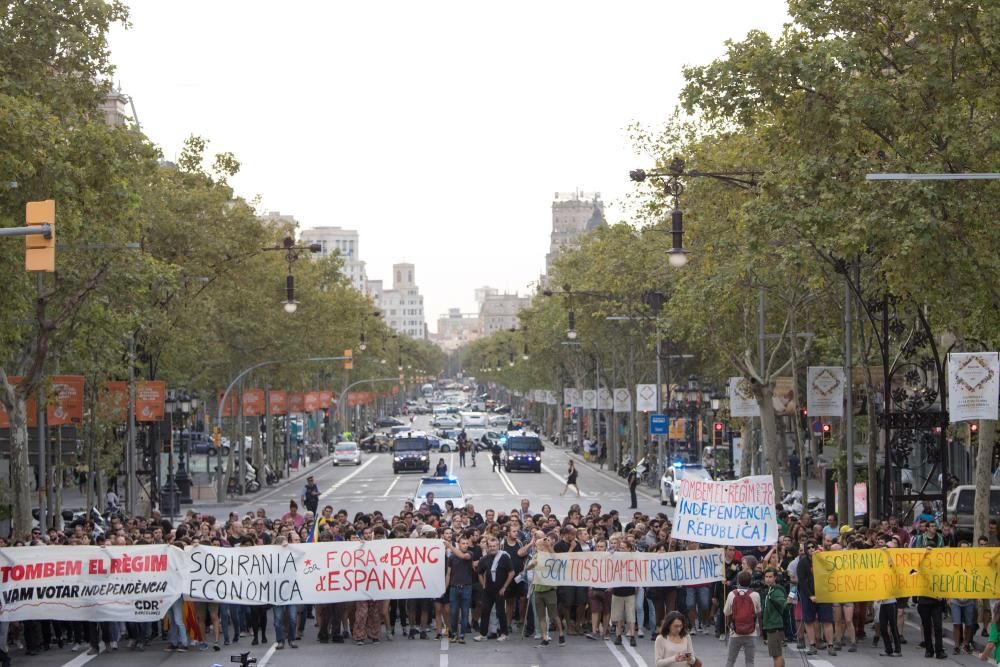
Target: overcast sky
x,y
439,130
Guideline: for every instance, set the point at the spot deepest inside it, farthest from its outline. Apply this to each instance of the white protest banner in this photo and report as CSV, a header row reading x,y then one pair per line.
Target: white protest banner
x,y
609,569
645,397
623,400
972,385
825,391
741,400
136,583
736,512
317,572
588,399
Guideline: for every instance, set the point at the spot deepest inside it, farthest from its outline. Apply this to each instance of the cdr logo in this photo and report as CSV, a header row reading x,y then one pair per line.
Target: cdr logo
x,y
147,605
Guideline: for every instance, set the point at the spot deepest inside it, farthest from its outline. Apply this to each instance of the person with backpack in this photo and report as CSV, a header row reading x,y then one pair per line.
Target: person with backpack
x,y
773,617
741,611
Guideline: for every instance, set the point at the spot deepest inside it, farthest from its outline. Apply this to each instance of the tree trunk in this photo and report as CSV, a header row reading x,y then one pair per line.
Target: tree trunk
x,y
984,479
748,449
842,491
764,394
20,480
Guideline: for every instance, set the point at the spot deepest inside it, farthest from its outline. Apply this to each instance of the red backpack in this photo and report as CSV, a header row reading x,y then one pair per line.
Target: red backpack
x,y
743,613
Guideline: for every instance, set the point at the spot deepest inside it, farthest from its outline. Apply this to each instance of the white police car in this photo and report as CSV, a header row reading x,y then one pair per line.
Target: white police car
x,y
671,480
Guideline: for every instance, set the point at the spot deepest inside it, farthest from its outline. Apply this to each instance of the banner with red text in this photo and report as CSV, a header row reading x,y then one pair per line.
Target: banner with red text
x,y
317,572
736,512
610,569
136,583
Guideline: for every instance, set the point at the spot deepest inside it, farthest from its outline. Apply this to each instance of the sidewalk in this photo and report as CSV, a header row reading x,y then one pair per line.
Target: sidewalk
x,y
605,472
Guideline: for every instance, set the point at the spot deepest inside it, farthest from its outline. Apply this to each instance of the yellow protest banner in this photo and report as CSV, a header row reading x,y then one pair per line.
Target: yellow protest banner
x,y
856,575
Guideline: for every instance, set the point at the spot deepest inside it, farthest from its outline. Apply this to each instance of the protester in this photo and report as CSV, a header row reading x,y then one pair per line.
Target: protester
x,y
673,646
773,617
741,611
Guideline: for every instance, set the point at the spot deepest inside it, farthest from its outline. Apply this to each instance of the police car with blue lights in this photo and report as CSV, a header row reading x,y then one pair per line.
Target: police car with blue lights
x,y
670,482
521,450
411,451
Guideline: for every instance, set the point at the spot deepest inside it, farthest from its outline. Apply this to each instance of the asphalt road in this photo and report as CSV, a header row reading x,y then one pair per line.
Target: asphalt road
x,y
374,486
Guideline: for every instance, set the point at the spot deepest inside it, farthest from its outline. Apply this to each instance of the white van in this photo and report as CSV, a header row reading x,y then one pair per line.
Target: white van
x,y
473,419
962,500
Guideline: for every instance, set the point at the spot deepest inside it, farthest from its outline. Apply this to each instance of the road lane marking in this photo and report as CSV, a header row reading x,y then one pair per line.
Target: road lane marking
x,y
639,660
371,460
622,660
506,481
821,663
267,656
389,490
562,480
80,660
444,652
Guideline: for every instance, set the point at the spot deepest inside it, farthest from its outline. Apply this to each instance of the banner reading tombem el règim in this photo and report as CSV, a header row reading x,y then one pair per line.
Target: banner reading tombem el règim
x,y
857,575
606,570
737,512
137,583
317,573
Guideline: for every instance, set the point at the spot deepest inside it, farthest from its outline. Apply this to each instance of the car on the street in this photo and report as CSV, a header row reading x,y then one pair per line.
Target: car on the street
x,y
446,421
347,452
442,444
386,422
443,488
672,476
961,502
421,410
470,419
488,439
411,451
201,443
499,421
522,450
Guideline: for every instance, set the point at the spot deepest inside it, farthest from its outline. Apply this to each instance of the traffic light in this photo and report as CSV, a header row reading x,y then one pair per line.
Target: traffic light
x,y
349,361
717,434
804,419
40,249
974,433
217,437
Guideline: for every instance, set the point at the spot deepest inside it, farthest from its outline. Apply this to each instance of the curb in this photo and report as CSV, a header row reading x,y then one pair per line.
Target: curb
x,y
269,491
607,474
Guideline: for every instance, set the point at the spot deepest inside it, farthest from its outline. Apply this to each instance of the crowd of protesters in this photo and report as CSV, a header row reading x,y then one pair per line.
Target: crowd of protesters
x,y
491,593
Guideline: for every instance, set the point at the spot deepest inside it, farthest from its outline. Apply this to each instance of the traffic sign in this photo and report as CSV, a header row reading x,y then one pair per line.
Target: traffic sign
x,y
658,425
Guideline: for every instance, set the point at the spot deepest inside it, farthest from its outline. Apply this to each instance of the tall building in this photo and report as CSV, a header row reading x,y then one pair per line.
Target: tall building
x,y
456,329
499,312
573,215
115,108
279,220
345,242
402,306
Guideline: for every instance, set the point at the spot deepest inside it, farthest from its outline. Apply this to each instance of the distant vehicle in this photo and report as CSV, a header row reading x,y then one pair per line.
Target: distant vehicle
x,y
488,439
961,501
201,443
498,420
410,452
443,488
396,430
442,444
421,410
470,419
347,452
502,409
671,479
522,450
446,421
427,390
384,422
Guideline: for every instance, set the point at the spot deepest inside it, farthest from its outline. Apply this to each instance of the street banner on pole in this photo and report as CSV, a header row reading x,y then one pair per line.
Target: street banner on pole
x,y
645,397
611,569
825,391
605,401
311,401
623,400
741,399
296,402
135,583
317,572
279,401
326,398
150,396
550,397
874,574
736,512
253,402
589,399
68,408
973,386
783,396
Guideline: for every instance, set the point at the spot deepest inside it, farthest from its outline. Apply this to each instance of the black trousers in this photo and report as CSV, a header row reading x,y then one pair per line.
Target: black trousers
x,y
635,501
930,621
397,611
888,629
489,600
330,618
258,621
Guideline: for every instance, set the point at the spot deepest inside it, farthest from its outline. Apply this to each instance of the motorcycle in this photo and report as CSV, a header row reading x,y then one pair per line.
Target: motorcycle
x,y
270,477
625,467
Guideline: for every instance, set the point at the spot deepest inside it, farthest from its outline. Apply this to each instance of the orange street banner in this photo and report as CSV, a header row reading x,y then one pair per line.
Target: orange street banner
x,y
68,406
296,402
229,409
149,398
311,401
857,575
279,402
253,402
325,398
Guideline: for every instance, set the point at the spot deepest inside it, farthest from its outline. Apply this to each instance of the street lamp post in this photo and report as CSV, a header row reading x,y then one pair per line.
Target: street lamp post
x,y
182,479
168,494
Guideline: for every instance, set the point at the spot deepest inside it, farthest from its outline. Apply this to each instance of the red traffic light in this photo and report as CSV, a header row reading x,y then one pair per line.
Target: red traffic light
x,y
973,427
718,426
826,428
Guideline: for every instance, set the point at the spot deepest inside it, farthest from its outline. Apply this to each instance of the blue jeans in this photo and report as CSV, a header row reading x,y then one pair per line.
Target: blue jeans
x,y
283,614
177,633
460,598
